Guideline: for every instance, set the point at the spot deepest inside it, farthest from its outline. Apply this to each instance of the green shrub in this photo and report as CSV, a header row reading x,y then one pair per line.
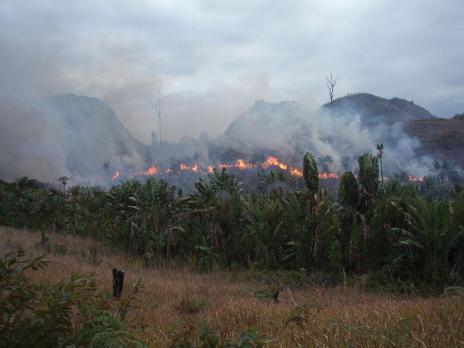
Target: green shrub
x,y
54,315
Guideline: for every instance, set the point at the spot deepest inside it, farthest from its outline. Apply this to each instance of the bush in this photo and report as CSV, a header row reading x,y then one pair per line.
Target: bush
x,y
54,315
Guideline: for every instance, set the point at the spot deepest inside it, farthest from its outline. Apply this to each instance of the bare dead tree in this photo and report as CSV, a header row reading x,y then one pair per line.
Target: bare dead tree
x,y
64,182
379,156
158,106
331,83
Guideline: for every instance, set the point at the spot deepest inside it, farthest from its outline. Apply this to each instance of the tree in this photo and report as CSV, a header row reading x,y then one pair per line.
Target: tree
x,y
369,175
369,182
379,156
158,107
64,182
348,197
430,238
310,174
331,83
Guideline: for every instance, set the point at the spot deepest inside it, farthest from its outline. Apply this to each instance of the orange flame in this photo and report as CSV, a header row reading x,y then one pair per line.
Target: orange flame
x,y
274,162
296,172
151,171
193,168
240,164
115,175
416,178
329,175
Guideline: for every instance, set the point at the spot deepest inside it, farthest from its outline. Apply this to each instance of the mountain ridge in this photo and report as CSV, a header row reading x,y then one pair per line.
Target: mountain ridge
x,y
68,134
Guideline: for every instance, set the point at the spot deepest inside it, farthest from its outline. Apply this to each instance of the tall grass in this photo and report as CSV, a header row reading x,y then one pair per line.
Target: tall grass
x,y
174,304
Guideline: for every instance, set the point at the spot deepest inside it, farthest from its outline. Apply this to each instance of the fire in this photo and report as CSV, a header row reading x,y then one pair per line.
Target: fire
x,y
151,171
296,172
274,162
115,175
329,175
240,164
193,168
416,178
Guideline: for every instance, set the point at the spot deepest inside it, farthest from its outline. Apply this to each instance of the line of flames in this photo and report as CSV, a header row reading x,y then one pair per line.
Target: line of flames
x,y
240,164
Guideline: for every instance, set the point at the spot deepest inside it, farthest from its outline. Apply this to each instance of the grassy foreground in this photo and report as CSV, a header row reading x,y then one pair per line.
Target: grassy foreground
x,y
174,304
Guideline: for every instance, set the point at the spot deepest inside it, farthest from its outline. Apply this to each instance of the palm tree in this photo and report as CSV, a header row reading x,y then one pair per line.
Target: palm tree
x,y
369,175
430,237
310,173
348,197
219,200
122,200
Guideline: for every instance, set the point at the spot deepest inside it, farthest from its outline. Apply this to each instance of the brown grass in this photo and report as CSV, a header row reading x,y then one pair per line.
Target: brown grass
x,y
175,302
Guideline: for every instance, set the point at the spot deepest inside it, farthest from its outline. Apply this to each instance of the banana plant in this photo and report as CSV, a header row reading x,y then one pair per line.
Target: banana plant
x,y
264,236
430,238
123,203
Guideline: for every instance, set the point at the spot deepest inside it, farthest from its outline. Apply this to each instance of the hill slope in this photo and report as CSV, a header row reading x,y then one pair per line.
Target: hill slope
x,y
265,125
374,110
442,139
351,124
71,135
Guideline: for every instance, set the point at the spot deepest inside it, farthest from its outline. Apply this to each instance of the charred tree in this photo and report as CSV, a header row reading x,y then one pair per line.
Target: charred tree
x,y
331,83
118,282
158,107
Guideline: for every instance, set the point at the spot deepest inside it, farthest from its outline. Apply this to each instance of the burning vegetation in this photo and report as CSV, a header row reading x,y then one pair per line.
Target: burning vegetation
x,y
270,162
240,165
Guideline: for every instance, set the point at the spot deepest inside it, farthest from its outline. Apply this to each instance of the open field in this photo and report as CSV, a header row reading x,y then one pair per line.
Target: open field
x,y
175,303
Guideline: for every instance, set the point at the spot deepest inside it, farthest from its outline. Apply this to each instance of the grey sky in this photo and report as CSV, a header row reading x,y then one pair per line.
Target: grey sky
x,y
213,59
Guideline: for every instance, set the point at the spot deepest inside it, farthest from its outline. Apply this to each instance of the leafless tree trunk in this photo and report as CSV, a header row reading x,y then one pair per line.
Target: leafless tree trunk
x,y
331,83
379,156
158,106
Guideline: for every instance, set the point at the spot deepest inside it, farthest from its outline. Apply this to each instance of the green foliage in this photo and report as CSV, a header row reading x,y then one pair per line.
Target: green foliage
x,y
369,174
348,190
348,196
188,335
430,239
102,329
44,315
289,223
310,173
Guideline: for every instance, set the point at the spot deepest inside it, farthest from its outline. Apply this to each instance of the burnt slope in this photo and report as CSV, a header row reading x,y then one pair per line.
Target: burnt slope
x,y
440,138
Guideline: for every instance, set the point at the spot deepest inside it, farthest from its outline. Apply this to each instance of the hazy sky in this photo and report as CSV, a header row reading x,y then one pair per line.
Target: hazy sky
x,y
213,59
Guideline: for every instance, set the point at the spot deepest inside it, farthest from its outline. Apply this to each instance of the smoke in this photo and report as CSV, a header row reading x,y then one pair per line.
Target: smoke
x,y
289,130
82,138
124,55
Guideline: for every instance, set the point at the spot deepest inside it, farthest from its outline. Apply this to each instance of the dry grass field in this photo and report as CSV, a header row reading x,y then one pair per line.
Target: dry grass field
x,y
174,303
